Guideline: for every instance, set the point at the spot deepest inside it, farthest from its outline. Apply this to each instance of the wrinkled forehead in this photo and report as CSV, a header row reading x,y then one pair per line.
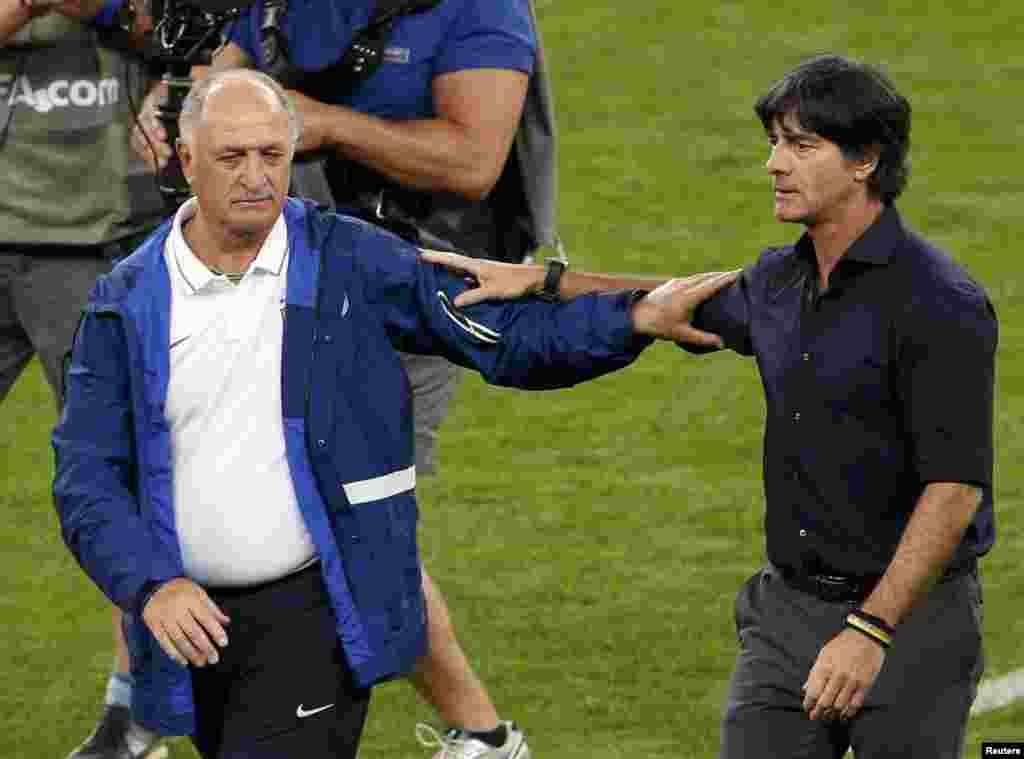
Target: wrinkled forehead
x,y
252,116
239,97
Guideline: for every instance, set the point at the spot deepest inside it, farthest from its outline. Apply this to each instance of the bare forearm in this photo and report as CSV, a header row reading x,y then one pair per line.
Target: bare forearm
x,y
574,284
436,155
941,516
13,17
431,154
530,278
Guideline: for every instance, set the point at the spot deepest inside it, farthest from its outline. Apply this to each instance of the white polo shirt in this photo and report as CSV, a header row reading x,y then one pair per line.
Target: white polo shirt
x,y
237,516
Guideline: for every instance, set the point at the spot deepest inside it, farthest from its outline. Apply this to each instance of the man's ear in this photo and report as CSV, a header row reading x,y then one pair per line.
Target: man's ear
x,y
865,166
185,156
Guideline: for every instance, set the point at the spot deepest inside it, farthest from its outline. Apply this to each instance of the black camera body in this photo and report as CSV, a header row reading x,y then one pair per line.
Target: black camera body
x,y
185,34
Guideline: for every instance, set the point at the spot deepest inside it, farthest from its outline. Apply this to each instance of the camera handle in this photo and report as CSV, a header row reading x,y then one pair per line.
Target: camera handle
x,y
170,179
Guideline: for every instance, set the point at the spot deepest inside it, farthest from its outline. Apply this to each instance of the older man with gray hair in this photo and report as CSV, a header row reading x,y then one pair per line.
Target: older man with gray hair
x,y
236,452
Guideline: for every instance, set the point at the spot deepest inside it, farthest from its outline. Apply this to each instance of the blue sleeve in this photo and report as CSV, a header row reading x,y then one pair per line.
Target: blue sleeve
x,y
489,34
94,484
245,32
527,343
106,16
727,314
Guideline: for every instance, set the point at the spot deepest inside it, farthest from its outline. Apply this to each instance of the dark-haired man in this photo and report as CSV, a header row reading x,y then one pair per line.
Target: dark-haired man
x,y
878,488
864,629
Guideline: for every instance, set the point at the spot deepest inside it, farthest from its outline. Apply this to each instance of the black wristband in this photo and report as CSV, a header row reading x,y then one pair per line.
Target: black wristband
x,y
870,626
549,291
876,621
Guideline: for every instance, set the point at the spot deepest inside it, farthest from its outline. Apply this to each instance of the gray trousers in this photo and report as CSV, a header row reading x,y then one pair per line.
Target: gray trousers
x,y
42,293
917,708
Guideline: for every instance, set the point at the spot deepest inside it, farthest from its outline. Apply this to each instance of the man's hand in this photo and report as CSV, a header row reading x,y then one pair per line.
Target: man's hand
x,y
846,668
183,619
666,312
495,280
148,135
316,119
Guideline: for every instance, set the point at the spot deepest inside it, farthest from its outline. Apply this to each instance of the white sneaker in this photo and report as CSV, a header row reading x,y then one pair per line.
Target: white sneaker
x,y
456,744
117,737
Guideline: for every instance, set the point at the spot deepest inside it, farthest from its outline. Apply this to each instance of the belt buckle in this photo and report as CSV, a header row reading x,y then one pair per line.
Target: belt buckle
x,y
833,588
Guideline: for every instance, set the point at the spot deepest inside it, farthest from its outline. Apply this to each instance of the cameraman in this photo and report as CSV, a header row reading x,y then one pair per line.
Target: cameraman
x,y
421,142
73,197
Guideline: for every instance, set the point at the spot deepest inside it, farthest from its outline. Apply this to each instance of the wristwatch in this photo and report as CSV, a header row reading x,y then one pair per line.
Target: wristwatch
x,y
556,268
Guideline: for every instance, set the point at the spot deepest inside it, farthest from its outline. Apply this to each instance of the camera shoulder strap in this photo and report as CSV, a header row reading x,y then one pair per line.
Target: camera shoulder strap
x,y
357,64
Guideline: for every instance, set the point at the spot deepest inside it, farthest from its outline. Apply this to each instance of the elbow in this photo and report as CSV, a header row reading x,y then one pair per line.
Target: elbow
x,y
475,182
972,496
966,499
473,192
477,171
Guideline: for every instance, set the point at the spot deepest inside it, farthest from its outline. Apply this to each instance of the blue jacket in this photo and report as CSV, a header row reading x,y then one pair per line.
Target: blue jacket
x,y
355,296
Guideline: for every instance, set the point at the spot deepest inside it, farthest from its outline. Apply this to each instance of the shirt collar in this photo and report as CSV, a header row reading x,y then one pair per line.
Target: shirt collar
x,y
874,246
197,276
879,240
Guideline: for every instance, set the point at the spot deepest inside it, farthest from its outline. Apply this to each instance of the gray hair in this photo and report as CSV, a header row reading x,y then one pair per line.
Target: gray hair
x,y
194,106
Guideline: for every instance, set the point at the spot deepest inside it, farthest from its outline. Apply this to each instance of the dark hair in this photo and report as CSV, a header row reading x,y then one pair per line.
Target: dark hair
x,y
852,104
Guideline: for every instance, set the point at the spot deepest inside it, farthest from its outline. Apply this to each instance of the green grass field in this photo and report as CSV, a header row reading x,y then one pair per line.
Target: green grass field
x,y
590,541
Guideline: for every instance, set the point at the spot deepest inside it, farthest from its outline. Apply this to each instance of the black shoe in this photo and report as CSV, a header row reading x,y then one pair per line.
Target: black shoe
x,y
117,737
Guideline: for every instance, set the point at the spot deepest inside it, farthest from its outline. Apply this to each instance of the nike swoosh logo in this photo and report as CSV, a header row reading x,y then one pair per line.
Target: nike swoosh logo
x,y
300,712
178,342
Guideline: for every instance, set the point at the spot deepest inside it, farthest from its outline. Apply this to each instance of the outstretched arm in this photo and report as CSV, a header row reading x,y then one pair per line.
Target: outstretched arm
x,y
500,281
671,302
522,343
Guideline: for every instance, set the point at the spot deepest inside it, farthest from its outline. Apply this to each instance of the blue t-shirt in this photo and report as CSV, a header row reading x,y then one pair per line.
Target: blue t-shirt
x,y
454,36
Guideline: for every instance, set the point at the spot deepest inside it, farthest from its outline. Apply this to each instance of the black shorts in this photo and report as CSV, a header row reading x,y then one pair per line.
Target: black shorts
x,y
282,687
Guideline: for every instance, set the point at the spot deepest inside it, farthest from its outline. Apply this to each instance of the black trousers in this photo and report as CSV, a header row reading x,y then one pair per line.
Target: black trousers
x,y
917,708
282,687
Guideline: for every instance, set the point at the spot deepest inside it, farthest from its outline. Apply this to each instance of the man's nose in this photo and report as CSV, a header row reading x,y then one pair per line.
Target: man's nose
x,y
254,174
776,163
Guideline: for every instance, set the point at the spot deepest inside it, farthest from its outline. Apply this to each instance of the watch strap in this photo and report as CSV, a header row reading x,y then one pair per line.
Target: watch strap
x,y
555,269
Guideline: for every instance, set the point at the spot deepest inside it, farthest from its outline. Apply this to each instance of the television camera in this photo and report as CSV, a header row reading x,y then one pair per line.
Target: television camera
x,y
186,33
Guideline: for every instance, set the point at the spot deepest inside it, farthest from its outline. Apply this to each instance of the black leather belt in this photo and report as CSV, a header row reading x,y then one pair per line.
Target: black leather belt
x,y
844,588
830,588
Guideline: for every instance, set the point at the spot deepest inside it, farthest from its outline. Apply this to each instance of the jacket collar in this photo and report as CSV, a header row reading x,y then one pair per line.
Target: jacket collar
x,y
147,265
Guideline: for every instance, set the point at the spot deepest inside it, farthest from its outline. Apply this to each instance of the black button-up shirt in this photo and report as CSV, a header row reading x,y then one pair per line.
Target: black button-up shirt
x,y
874,388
